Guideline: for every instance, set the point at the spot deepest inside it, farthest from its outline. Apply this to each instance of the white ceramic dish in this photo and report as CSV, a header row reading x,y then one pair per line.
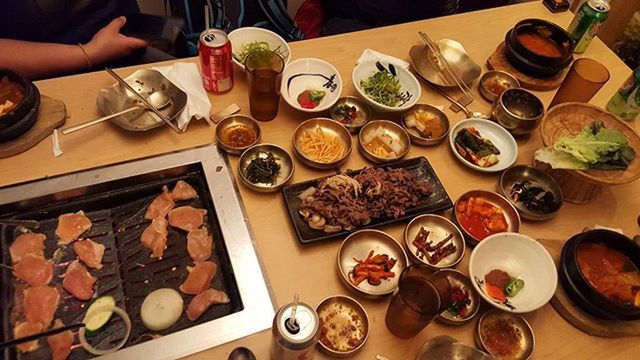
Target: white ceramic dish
x,y
500,137
522,257
245,35
409,85
311,74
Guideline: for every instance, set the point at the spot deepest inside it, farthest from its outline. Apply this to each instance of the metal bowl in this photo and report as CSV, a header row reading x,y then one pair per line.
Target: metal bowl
x,y
363,112
520,173
233,121
330,127
509,211
282,157
346,310
498,76
415,136
357,246
518,110
527,344
455,54
395,131
456,278
439,228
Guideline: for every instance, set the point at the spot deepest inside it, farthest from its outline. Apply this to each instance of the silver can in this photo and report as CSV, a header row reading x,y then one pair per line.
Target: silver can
x,y
295,340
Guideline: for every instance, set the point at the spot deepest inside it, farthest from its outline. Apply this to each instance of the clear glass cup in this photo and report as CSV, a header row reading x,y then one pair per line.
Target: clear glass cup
x,y
583,81
422,295
264,75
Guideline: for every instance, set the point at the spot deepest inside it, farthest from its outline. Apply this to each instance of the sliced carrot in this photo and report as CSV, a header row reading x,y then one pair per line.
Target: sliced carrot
x,y
495,292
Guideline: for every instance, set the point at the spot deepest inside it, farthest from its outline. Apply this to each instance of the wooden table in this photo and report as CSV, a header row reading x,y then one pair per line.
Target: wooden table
x,y
310,270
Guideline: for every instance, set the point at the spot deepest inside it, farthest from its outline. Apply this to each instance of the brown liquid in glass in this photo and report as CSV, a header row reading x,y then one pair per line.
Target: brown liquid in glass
x,y
264,94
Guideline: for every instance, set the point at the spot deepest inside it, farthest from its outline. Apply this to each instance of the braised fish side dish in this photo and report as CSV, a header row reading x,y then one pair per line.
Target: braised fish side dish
x,y
71,226
187,218
160,206
476,149
344,202
34,270
183,191
154,237
40,304
27,243
60,344
199,278
203,301
78,281
90,252
199,244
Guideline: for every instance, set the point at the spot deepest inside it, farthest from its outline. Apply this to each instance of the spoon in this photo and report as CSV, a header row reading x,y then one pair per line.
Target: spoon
x,y
468,113
159,99
241,353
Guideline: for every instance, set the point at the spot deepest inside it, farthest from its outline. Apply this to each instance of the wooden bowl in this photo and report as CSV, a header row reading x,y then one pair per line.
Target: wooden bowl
x,y
568,119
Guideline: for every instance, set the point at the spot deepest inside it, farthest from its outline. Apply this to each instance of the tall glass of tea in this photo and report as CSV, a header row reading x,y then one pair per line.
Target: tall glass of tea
x,y
264,75
421,296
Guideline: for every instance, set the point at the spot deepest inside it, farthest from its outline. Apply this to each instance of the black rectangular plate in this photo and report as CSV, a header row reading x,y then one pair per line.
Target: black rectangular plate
x,y
438,201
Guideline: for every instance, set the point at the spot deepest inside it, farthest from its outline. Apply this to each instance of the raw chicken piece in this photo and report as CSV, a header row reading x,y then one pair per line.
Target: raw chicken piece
x,y
199,278
199,244
201,302
187,218
78,281
183,191
34,270
27,243
40,304
154,237
23,329
90,252
71,226
60,344
161,205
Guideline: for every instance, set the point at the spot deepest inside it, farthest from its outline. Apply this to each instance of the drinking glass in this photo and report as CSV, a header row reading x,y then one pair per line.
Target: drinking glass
x,y
264,75
421,296
582,82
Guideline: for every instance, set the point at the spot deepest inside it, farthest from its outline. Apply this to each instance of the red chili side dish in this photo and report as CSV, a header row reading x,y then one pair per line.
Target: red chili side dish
x,y
481,218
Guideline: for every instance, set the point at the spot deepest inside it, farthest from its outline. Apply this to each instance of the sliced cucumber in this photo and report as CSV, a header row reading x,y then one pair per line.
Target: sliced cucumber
x,y
94,322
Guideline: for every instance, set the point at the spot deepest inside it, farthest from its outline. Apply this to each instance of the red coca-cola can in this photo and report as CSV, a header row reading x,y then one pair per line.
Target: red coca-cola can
x,y
215,61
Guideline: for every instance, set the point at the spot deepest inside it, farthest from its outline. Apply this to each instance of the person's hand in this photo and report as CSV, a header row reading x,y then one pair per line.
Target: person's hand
x,y
108,44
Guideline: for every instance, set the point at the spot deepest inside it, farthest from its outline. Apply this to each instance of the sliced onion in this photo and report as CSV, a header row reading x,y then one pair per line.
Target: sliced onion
x,y
127,323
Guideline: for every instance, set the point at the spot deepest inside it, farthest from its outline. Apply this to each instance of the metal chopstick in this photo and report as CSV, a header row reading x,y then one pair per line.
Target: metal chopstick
x,y
456,78
141,98
25,223
37,336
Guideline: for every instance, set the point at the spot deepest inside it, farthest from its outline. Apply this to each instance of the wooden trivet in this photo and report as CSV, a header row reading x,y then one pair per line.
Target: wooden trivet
x,y
498,61
52,114
578,317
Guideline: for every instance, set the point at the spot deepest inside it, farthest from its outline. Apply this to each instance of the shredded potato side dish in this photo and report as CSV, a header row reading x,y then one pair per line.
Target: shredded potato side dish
x,y
321,146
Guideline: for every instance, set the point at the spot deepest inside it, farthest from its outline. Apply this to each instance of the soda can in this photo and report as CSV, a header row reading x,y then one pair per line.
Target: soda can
x,y
216,66
295,340
587,22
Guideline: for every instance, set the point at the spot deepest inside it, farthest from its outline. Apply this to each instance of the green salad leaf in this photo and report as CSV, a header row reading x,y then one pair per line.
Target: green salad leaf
x,y
383,88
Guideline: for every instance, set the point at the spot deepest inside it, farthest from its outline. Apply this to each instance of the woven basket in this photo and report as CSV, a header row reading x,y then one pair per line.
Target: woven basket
x,y
569,119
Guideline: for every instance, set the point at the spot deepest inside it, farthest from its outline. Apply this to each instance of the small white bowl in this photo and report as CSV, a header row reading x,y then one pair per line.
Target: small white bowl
x,y
311,74
245,35
500,137
409,85
522,257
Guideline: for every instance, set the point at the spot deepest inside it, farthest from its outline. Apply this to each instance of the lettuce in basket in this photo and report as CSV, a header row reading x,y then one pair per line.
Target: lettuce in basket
x,y
593,148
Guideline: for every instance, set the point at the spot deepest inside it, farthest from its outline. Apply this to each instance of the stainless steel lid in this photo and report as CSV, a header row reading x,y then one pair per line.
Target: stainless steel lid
x,y
214,37
305,330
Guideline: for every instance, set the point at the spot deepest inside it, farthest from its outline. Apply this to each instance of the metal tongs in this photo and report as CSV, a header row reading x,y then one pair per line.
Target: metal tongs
x,y
446,70
144,101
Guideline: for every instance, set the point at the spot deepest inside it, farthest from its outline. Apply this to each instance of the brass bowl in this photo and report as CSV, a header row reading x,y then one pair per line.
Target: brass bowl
x,y
518,110
496,75
439,228
527,344
361,108
282,157
233,121
456,278
396,132
521,173
330,127
509,211
415,136
357,246
344,307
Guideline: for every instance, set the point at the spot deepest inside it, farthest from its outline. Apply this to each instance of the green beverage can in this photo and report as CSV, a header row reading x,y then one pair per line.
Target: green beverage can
x,y
588,20
625,103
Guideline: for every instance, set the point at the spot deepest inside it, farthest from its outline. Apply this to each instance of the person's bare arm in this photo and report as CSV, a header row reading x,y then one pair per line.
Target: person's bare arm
x,y
35,60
